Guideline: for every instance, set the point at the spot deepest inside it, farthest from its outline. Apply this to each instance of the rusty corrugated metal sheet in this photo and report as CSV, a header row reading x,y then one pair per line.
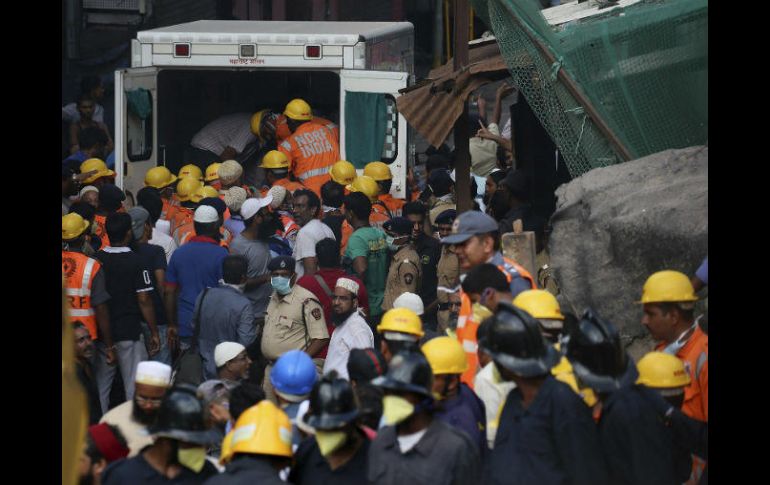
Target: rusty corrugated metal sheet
x,y
433,106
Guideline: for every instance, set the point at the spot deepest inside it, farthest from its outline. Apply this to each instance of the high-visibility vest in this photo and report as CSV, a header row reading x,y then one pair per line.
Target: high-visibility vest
x,y
379,215
282,128
289,185
311,151
186,232
468,323
101,231
182,216
79,271
394,205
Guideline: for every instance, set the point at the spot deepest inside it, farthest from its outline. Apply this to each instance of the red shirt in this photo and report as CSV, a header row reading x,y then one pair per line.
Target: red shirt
x,y
330,276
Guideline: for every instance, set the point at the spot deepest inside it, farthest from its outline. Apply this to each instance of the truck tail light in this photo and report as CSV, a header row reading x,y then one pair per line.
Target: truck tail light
x,y
312,52
181,50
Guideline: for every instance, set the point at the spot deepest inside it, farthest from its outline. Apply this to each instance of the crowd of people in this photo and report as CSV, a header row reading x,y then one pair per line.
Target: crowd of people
x,y
311,328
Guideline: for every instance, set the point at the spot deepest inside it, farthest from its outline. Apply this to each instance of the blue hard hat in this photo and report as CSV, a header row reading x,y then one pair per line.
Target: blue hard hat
x,y
293,373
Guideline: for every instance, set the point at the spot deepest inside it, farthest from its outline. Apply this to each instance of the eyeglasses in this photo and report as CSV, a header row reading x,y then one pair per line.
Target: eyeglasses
x,y
449,305
147,401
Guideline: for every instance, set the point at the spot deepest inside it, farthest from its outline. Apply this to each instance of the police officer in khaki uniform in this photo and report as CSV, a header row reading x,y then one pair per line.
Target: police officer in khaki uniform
x,y
405,268
294,319
448,271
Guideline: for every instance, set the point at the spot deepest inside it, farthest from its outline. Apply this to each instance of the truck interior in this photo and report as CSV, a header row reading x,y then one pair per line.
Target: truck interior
x,y
189,99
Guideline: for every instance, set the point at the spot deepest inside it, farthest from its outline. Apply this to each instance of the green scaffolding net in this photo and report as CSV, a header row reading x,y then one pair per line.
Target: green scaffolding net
x,y
643,67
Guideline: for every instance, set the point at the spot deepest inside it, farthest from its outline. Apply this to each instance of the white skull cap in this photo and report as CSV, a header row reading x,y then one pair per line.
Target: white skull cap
x,y
153,373
347,284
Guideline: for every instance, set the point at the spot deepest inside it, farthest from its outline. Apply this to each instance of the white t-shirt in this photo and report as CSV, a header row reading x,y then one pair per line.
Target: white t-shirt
x,y
492,391
353,334
409,441
307,237
165,241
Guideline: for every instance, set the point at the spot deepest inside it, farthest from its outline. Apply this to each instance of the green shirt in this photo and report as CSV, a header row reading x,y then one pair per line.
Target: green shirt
x,y
369,242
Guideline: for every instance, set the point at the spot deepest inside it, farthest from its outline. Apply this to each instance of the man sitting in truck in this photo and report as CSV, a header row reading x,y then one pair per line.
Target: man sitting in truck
x,y
311,148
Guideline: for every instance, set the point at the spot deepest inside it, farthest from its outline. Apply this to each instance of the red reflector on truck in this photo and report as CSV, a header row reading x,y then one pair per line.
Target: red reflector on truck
x,y
313,52
181,50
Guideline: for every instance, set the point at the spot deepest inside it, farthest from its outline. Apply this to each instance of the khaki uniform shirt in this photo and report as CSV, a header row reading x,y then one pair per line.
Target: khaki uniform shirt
x,y
291,322
448,273
403,275
439,207
134,432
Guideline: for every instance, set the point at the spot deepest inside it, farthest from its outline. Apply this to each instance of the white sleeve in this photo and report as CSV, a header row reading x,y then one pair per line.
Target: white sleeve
x,y
305,245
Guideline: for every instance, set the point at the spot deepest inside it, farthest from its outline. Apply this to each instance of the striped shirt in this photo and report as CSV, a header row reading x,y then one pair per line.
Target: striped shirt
x,y
232,130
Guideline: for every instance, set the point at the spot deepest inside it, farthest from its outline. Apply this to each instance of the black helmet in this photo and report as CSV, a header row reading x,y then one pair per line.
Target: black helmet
x,y
332,404
408,371
514,341
597,356
180,417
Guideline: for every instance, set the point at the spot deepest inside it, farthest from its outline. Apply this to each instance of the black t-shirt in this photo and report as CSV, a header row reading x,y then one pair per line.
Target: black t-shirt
x,y
429,249
125,277
335,224
154,258
312,468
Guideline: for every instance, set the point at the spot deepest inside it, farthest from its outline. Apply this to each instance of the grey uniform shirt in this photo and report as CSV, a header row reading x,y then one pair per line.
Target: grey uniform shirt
x,y
226,315
258,255
443,456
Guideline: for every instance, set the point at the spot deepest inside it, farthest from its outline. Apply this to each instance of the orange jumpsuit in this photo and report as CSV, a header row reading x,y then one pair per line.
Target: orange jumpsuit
x,y
312,149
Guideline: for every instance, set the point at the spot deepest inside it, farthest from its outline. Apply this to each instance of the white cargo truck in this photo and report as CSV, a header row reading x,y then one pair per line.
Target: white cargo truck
x,y
184,76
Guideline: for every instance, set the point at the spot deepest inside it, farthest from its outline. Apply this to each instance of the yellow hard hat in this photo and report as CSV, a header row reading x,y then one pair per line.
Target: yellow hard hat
x,y
203,192
668,286
95,164
541,304
378,171
445,355
661,370
274,159
72,226
191,170
211,172
227,448
256,121
298,109
343,172
159,177
263,429
401,320
366,185
186,188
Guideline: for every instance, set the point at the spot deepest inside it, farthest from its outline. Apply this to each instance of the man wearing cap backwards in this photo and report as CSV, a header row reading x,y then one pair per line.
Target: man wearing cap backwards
x,y
178,453
476,240
104,444
232,362
294,318
338,454
405,269
292,379
85,284
129,286
133,416
366,255
307,209
546,433
414,447
457,405
668,300
193,267
351,330
260,446
400,329
253,243
638,448
311,148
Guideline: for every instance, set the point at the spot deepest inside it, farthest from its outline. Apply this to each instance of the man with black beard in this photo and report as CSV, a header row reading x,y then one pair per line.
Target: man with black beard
x,y
253,243
351,330
132,417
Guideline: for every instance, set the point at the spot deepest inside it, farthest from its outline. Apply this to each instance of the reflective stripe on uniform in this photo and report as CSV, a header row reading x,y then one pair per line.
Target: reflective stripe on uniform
x,y
470,346
702,359
461,321
78,292
75,312
313,173
87,275
286,145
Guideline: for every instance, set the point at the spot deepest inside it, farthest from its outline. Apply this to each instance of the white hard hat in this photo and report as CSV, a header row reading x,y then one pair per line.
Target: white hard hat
x,y
411,301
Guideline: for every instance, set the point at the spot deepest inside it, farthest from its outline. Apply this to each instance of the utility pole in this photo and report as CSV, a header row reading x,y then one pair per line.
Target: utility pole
x,y
461,129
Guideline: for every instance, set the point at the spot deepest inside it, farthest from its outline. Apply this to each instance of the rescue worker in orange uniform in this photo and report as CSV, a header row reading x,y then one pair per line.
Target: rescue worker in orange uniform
x,y
102,175
282,132
381,174
276,167
367,186
162,179
668,300
476,240
188,171
84,283
343,172
311,148
186,191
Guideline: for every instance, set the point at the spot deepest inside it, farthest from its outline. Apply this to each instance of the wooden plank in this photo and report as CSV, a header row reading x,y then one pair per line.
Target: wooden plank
x,y
591,9
521,248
